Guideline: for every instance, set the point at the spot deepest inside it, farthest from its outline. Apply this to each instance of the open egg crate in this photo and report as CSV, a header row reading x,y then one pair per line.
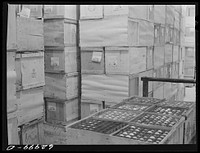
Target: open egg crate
x,y
181,104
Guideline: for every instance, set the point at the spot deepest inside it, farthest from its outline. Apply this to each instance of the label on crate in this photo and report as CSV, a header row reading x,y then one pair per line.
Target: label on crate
x,y
48,8
96,57
91,8
52,106
25,12
55,61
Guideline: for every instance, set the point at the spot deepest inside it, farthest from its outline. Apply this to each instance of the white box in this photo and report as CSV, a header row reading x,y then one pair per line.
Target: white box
x,y
119,60
91,12
30,70
60,11
61,86
30,105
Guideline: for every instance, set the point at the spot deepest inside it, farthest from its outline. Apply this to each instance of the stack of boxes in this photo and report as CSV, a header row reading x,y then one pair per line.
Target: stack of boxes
x,y
11,77
116,50
61,64
29,64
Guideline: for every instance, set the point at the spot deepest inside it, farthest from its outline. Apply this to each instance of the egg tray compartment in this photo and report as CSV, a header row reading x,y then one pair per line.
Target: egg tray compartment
x,y
181,104
132,107
143,100
156,120
167,110
143,133
117,115
98,125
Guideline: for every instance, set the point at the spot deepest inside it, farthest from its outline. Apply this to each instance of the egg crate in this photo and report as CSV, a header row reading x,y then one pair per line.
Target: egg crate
x,y
131,107
97,125
157,120
181,104
143,133
117,115
167,110
143,100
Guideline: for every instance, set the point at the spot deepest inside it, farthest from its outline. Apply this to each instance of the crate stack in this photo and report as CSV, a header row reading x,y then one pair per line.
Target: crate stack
x,y
29,64
12,121
61,64
116,51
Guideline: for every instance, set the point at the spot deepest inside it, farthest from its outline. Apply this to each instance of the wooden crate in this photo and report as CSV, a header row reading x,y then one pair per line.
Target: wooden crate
x,y
133,32
31,133
80,136
111,88
61,112
92,61
90,106
168,53
11,28
12,123
30,105
53,134
35,10
120,60
175,53
30,70
169,15
60,11
149,56
29,34
64,60
159,14
59,33
61,86
11,61
11,87
91,12
159,52
144,12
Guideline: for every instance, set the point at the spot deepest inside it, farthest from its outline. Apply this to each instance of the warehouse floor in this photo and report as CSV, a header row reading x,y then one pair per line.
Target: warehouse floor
x,y
190,95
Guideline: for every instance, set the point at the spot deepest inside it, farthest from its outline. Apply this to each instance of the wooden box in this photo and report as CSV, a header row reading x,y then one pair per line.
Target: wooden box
x,y
60,11
176,50
91,12
159,54
12,123
59,33
10,61
168,53
116,31
53,134
111,88
121,60
90,106
61,112
61,60
61,86
159,14
29,34
31,133
35,10
92,61
170,15
11,28
144,12
11,85
30,70
149,57
30,105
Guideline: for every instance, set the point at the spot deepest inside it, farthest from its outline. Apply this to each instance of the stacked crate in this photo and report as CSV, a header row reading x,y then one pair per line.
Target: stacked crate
x,y
128,122
116,51
29,64
61,64
11,76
